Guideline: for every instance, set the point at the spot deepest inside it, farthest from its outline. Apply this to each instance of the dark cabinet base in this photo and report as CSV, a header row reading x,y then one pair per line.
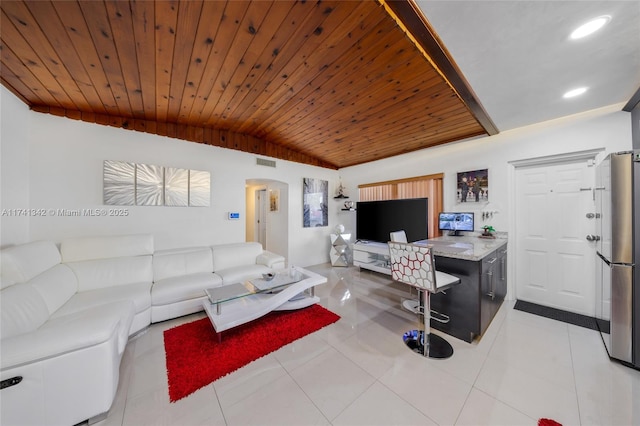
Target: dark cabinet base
x,y
472,304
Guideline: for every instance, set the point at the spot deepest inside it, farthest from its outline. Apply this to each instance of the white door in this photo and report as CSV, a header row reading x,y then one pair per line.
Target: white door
x,y
261,217
555,264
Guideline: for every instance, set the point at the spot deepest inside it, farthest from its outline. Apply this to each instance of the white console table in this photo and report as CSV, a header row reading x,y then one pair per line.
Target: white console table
x,y
373,256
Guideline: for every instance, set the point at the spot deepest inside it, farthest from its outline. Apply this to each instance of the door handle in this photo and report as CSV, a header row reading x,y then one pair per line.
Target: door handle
x,y
593,238
10,382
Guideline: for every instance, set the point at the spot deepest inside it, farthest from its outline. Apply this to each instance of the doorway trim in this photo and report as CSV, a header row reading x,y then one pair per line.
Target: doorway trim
x,y
512,249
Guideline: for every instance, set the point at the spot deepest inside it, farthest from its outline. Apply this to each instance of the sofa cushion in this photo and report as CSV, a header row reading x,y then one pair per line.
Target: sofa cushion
x,y
138,293
105,247
56,286
176,263
242,273
22,310
23,262
177,289
232,255
105,273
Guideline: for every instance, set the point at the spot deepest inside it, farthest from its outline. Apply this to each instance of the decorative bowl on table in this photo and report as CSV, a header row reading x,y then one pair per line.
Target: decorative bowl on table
x,y
269,276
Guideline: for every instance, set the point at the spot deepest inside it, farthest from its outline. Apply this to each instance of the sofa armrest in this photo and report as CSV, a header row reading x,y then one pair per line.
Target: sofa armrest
x,y
271,260
63,335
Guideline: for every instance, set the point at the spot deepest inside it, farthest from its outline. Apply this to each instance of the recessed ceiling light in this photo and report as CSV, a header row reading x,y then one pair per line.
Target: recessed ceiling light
x,y
590,27
575,92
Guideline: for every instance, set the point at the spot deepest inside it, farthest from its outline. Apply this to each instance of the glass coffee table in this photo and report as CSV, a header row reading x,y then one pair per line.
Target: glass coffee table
x,y
231,305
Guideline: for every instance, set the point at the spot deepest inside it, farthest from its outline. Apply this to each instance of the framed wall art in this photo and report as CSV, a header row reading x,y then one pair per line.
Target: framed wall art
x,y
473,186
133,184
176,187
274,200
199,188
149,185
315,211
119,183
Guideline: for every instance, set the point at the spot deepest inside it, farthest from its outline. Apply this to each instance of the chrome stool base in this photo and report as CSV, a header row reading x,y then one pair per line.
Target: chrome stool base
x,y
433,346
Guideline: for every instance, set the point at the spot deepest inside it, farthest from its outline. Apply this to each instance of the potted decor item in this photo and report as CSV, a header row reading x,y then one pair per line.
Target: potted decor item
x,y
488,231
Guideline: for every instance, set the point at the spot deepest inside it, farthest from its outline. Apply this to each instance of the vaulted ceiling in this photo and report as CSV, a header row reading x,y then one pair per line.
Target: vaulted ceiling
x,y
327,83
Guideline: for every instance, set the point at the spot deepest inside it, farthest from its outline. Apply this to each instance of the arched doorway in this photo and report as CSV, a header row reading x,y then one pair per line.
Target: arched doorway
x,y
267,214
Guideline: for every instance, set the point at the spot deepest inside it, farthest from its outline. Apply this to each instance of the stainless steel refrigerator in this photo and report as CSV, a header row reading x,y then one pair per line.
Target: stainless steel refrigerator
x,y
618,278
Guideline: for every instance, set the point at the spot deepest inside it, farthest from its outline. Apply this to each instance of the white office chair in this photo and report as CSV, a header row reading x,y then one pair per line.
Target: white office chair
x,y
398,236
413,264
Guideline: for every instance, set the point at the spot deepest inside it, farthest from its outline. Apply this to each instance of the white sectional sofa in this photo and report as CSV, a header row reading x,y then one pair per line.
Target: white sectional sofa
x,y
67,314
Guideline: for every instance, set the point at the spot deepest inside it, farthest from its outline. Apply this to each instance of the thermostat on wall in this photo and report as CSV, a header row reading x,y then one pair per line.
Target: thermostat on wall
x,y
234,215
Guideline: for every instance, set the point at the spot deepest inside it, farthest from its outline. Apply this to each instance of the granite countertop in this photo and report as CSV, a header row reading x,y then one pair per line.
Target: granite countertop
x,y
465,247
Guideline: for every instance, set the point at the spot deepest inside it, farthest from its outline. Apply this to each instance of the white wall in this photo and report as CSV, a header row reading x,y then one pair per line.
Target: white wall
x,y
65,171
57,164
608,128
14,169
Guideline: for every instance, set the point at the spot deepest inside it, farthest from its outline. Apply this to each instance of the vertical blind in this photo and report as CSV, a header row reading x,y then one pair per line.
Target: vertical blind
x,y
418,187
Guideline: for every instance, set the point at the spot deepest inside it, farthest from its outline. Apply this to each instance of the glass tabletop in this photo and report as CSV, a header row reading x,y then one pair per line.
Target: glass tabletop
x,y
229,292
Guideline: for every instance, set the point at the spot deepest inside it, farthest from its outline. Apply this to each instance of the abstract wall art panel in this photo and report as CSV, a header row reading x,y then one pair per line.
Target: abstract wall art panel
x,y
199,188
149,185
119,183
315,211
176,187
133,184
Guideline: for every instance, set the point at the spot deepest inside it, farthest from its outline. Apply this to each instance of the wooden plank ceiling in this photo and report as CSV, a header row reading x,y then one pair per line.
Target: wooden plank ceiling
x,y
327,83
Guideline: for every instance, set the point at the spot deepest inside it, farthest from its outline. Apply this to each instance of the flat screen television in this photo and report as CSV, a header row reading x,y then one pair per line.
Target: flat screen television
x,y
455,222
375,220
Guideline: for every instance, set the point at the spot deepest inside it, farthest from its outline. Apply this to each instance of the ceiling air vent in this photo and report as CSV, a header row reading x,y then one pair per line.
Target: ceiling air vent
x,y
263,162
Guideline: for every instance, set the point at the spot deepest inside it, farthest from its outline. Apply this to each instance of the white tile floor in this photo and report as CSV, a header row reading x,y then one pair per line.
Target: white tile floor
x,y
359,372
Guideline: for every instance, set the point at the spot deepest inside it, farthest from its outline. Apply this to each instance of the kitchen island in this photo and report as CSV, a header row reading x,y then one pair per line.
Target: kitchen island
x,y
481,265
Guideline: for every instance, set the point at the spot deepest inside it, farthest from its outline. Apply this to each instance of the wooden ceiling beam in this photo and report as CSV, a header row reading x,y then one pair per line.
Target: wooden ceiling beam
x,y
413,20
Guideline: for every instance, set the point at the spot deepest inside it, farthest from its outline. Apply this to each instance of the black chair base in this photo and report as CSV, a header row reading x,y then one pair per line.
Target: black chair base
x,y
433,346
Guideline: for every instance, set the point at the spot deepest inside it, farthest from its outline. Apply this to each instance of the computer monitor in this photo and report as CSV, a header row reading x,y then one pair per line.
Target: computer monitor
x,y
455,222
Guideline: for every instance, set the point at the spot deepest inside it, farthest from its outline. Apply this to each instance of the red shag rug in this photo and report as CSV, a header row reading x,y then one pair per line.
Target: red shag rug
x,y
195,358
